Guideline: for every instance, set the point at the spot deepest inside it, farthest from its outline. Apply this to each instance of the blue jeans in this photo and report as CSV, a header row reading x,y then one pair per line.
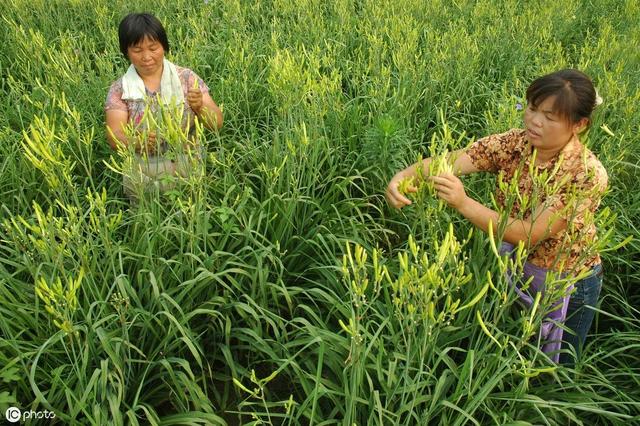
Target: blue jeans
x,y
580,315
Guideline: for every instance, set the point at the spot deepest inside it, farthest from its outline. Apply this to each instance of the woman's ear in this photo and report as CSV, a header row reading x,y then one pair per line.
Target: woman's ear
x,y
580,125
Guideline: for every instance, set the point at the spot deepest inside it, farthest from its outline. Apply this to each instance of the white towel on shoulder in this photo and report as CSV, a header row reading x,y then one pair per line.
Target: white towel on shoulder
x,y
170,86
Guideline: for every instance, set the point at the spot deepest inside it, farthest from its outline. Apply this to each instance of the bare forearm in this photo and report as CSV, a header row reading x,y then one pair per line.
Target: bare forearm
x,y
412,171
117,139
141,143
211,117
516,230
542,223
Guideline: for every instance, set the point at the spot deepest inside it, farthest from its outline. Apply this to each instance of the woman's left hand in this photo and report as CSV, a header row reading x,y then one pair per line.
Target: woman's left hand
x,y
194,99
450,189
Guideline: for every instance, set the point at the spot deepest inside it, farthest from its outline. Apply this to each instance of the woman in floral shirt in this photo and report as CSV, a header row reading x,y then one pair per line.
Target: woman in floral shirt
x,y
153,88
559,182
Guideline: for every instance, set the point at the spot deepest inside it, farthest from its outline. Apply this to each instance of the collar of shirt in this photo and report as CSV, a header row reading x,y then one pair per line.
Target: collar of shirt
x,y
569,152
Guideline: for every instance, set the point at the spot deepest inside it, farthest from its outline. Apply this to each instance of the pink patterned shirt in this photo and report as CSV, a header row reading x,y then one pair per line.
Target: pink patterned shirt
x,y
135,108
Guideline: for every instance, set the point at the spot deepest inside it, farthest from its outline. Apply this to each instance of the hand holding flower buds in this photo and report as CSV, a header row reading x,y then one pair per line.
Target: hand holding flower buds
x,y
194,99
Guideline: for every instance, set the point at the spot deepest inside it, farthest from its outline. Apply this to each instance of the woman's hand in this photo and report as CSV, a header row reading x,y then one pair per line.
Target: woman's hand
x,y
205,108
148,146
450,189
194,99
395,198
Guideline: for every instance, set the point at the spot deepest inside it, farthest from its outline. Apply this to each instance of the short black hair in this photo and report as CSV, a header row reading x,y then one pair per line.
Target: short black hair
x,y
574,92
136,26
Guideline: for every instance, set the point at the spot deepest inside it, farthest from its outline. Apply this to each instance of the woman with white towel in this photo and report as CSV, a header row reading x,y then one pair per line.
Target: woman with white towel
x,y
153,88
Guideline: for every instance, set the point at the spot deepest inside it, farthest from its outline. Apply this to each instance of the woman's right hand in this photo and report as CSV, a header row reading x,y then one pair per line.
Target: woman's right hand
x,y
394,197
148,146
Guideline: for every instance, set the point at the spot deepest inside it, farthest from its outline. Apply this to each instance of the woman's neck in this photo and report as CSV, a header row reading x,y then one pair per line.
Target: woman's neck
x,y
543,156
152,81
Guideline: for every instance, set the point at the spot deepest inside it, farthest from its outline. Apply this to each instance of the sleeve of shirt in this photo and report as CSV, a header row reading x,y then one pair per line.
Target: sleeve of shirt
x,y
577,201
114,98
491,153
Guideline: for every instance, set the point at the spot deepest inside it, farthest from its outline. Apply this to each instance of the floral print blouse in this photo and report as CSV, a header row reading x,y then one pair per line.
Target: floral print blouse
x,y
136,108
571,184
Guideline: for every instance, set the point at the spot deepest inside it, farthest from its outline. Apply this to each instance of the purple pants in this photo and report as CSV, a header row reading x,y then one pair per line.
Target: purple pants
x,y
550,332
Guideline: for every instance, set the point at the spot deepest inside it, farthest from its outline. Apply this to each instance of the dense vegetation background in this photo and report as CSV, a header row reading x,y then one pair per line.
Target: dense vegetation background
x,y
279,288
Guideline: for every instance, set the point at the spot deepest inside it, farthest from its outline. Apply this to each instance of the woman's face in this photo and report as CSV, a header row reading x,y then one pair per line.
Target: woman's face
x,y
146,56
546,130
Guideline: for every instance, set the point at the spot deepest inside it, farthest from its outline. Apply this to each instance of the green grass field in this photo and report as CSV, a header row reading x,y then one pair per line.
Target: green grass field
x,y
278,287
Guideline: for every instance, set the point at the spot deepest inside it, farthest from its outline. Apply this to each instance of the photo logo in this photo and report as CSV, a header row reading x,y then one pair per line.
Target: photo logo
x,y
13,414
